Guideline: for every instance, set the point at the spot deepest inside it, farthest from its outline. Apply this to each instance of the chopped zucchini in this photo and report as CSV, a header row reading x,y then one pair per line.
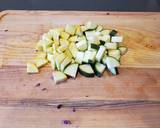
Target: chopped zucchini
x,y
113,33
86,56
49,50
79,57
73,49
59,60
56,33
88,45
92,48
78,30
110,62
41,55
99,69
45,44
100,53
68,53
105,38
73,38
92,35
64,35
90,25
31,68
102,42
81,38
46,37
86,70
65,63
50,57
73,61
40,62
59,77
92,56
117,39
82,45
62,48
55,46
110,45
71,70
105,32
71,29
114,53
113,70
99,28
95,46
64,42
83,28
53,64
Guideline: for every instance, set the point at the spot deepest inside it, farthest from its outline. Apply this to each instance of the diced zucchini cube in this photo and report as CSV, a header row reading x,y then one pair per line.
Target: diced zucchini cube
x,y
41,62
100,53
73,49
79,57
50,57
31,68
59,60
99,28
105,32
86,56
71,29
91,25
105,38
65,63
59,77
68,53
41,55
114,53
110,45
117,39
82,45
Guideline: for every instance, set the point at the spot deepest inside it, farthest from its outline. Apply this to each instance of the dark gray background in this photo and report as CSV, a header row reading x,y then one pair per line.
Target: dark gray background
x,y
97,5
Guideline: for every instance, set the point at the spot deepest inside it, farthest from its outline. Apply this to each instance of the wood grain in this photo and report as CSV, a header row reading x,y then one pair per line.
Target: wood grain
x,y
20,30
146,116
131,84
129,100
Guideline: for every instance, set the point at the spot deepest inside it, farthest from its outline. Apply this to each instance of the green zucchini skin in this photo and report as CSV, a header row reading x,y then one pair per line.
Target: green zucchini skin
x,y
94,46
113,33
83,73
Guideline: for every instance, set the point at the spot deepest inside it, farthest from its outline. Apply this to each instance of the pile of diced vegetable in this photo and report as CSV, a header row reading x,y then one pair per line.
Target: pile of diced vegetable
x,y
88,49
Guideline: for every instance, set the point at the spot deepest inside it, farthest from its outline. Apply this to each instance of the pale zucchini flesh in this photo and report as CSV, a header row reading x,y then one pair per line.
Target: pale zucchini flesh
x,y
111,62
100,53
65,63
71,70
31,68
59,77
114,53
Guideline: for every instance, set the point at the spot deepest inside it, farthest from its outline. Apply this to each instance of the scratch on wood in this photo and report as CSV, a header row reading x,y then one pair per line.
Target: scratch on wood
x,y
110,104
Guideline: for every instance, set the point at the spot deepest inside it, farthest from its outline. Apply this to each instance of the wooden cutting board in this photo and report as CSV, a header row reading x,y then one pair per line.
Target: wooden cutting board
x,y
131,99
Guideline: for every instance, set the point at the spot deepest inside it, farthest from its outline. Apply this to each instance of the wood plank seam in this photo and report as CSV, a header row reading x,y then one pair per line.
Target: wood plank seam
x,y
79,103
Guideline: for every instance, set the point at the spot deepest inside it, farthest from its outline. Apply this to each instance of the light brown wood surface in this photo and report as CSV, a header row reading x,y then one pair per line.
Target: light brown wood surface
x,y
141,33
131,99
